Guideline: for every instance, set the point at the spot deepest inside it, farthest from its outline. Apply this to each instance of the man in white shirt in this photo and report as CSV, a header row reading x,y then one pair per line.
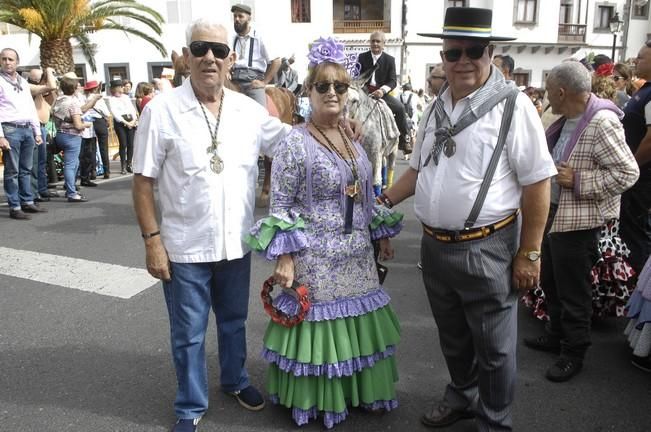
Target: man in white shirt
x,y
200,143
20,132
473,270
256,66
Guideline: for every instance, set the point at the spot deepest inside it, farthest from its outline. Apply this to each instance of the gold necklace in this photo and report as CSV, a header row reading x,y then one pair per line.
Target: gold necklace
x,y
352,189
216,162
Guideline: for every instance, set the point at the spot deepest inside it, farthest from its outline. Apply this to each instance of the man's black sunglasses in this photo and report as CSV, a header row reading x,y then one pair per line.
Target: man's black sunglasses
x,y
200,49
324,86
474,53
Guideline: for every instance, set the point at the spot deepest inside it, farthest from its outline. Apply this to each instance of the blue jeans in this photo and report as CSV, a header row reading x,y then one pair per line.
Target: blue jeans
x,y
194,288
71,145
39,174
18,165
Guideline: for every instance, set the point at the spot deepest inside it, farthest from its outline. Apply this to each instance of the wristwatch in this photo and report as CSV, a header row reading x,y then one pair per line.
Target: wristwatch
x,y
532,256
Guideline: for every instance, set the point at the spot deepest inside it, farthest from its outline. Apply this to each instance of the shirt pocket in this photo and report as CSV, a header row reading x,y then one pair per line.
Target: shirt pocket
x,y
476,153
194,155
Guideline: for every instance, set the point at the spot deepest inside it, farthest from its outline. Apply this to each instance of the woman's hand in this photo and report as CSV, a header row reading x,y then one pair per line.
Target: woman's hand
x,y
386,250
284,271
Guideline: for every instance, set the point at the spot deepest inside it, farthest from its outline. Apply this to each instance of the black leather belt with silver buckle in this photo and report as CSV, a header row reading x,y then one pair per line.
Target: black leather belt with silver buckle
x,y
448,236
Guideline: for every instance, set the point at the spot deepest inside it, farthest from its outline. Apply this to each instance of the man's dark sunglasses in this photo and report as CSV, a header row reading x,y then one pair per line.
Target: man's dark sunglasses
x,y
474,53
323,87
200,49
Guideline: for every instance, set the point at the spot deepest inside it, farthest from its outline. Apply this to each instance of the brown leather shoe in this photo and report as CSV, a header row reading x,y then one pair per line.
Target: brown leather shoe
x,y
442,416
32,208
19,215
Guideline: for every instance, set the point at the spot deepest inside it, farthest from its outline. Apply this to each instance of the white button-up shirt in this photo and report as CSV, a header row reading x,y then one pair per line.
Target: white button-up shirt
x,y
445,193
204,215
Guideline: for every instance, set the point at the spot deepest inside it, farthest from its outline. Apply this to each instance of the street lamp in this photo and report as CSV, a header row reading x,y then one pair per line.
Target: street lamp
x,y
615,27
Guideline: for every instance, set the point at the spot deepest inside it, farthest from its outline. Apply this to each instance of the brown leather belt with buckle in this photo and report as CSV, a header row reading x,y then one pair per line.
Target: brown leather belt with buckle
x,y
447,236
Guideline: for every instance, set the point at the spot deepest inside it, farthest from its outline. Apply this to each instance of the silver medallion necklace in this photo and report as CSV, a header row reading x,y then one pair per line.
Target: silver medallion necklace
x,y
216,162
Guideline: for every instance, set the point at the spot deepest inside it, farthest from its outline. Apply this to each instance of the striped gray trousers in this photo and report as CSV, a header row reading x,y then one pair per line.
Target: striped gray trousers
x,y
470,292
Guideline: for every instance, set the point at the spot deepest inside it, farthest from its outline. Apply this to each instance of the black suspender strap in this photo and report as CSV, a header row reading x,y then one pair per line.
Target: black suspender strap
x,y
492,166
250,49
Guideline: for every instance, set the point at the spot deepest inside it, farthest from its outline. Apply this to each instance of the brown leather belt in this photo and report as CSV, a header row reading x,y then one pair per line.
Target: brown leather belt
x,y
447,236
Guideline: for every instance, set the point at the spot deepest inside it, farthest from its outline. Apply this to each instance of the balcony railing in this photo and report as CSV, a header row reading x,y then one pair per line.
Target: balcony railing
x,y
361,26
571,33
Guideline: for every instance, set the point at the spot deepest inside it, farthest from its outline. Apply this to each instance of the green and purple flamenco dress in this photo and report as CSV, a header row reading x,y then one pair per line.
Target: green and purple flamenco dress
x,y
342,354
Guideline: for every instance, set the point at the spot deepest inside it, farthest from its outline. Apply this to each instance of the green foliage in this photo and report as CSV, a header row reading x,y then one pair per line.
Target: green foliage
x,y
62,20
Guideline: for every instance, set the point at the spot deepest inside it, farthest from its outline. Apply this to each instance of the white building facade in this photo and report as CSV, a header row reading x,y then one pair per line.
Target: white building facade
x,y
547,32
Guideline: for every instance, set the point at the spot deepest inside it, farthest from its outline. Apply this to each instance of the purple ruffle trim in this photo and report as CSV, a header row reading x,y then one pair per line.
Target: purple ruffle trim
x,y
331,370
330,419
385,231
285,242
341,308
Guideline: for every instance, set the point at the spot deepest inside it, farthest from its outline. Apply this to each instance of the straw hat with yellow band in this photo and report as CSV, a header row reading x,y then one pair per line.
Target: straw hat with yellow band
x,y
468,23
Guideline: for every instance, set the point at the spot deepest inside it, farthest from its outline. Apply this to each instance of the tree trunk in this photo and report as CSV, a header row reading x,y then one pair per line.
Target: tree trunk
x,y
57,54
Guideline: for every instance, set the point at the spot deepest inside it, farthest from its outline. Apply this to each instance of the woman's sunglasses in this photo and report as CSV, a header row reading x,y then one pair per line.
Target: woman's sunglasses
x,y
323,87
474,53
617,78
200,49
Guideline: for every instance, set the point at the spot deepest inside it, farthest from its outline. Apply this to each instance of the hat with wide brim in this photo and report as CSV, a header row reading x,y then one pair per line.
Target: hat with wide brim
x,y
91,85
71,75
468,23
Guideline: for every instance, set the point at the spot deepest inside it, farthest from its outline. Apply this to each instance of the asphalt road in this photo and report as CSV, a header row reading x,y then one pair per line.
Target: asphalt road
x,y
80,361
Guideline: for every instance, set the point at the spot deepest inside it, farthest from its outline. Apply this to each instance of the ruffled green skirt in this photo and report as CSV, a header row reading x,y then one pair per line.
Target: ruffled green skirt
x,y
322,367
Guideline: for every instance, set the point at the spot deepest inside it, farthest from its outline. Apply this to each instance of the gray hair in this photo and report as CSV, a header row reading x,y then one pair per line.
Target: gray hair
x,y
203,24
572,76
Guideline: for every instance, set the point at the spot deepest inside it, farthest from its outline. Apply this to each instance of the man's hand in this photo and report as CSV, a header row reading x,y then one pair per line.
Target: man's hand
x,y
256,84
284,271
386,250
352,128
4,144
158,263
526,273
565,177
38,139
377,94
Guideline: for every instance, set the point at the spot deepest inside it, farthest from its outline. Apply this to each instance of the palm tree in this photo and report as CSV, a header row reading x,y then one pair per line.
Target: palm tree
x,y
56,22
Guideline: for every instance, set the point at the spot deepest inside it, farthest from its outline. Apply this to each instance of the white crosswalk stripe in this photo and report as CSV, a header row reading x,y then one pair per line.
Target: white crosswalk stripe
x,y
92,276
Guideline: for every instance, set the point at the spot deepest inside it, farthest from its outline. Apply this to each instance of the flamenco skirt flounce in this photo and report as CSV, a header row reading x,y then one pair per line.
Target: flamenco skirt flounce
x,y
343,359
613,279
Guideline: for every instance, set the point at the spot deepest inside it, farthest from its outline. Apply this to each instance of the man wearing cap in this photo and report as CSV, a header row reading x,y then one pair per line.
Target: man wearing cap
x,y
287,77
382,81
20,131
43,87
256,65
480,245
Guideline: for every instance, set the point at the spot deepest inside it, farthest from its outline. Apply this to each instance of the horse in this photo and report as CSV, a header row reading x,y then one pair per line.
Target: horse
x,y
280,103
379,131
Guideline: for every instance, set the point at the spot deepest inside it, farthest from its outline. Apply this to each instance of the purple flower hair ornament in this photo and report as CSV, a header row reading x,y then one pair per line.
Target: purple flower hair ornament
x,y
331,50
326,49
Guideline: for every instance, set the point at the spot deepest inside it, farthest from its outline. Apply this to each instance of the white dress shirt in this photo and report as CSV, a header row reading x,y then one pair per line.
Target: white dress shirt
x,y
121,105
204,215
445,193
